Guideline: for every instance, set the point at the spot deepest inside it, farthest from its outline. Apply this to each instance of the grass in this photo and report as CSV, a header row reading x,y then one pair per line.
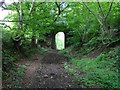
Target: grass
x,y
21,71
15,75
101,71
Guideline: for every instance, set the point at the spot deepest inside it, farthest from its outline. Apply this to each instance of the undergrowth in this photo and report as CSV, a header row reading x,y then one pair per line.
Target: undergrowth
x,y
102,71
10,56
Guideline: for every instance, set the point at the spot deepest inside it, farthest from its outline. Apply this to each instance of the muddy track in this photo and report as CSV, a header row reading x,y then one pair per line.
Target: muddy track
x,y
48,72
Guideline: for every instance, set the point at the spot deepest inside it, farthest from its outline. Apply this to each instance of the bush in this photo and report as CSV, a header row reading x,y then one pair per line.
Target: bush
x,y
7,60
102,71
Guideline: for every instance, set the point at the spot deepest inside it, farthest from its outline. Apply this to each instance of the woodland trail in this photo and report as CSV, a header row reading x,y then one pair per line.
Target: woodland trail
x,y
47,71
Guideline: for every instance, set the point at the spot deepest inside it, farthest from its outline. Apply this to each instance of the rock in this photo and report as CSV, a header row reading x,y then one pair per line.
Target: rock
x,y
69,85
45,76
51,77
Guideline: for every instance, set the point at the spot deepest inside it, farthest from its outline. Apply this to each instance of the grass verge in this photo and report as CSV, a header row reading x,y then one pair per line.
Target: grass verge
x,y
101,71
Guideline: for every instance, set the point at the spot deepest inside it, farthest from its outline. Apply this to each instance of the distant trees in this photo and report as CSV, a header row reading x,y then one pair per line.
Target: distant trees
x,y
86,21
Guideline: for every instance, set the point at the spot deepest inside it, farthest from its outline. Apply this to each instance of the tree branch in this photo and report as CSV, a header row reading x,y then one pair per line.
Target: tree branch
x,y
7,26
92,12
3,4
12,21
19,15
16,4
58,6
3,25
65,8
38,4
89,9
31,8
108,11
100,8
59,12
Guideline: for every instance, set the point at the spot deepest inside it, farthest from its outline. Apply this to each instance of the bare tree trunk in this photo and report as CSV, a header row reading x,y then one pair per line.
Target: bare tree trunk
x,y
53,44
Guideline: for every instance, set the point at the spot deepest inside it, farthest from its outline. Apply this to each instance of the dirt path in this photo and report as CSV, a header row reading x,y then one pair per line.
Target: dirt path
x,y
47,71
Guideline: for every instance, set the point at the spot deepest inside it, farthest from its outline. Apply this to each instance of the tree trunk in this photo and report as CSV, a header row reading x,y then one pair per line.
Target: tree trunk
x,y
33,41
53,44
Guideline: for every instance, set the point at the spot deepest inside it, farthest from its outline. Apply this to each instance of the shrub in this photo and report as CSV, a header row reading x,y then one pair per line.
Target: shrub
x,y
102,71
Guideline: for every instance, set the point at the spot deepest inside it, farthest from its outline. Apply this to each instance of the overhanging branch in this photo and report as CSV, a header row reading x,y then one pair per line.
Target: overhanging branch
x,y
58,6
92,12
11,21
108,11
59,12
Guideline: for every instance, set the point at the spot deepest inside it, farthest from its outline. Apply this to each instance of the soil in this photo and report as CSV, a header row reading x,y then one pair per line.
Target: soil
x,y
47,71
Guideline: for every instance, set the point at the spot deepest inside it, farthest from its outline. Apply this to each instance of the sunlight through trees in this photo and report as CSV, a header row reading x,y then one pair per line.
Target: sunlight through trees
x,y
60,40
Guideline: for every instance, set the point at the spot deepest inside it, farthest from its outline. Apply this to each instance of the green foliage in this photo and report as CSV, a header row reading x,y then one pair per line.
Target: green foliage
x,y
29,51
15,74
6,39
15,84
7,59
70,70
83,31
66,52
102,71
21,71
77,17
